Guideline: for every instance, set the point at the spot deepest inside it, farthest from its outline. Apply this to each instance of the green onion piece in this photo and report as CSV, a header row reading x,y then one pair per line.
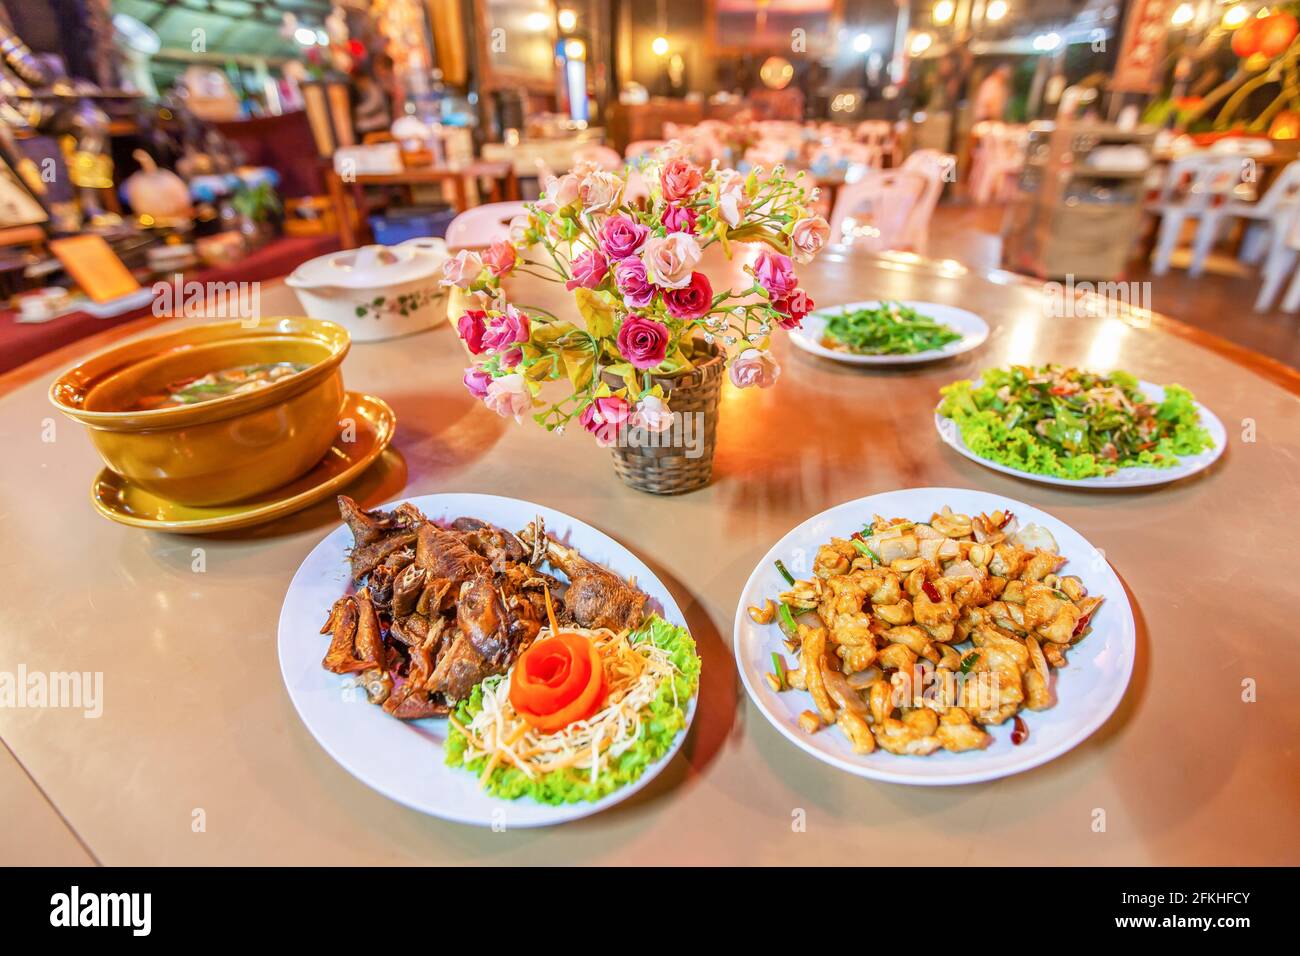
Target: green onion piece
x,y
785,620
778,668
969,661
789,578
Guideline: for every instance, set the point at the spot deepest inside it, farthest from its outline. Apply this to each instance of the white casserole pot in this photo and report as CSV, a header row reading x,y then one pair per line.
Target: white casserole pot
x,y
376,292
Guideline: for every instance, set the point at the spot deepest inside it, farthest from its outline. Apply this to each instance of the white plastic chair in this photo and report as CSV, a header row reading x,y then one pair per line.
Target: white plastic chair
x,y
1195,183
1285,188
1279,266
999,155
604,157
642,147
873,213
937,168
481,226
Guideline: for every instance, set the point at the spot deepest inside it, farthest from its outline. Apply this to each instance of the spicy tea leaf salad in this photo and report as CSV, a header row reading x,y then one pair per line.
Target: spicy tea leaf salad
x,y
644,684
890,328
1068,423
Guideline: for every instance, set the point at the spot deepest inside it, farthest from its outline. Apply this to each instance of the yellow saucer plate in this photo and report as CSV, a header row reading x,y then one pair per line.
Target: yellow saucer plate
x,y
370,418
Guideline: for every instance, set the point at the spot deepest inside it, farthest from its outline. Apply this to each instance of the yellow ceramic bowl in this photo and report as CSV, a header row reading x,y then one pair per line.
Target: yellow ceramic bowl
x,y
226,449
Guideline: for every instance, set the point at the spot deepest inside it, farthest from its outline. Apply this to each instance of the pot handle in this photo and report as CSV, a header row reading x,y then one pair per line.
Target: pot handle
x,y
426,244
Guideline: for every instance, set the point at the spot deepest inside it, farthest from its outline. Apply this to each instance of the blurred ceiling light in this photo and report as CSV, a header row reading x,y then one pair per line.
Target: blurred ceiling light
x,y
862,43
567,19
574,49
1235,16
943,11
305,36
1183,15
996,10
659,45
920,43
537,21
1047,42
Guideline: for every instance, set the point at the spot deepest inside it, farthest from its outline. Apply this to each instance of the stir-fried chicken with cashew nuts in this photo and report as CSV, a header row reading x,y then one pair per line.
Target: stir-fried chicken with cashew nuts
x,y
913,637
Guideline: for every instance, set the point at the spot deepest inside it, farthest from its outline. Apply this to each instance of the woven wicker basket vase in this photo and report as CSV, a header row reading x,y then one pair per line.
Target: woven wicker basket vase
x,y
680,459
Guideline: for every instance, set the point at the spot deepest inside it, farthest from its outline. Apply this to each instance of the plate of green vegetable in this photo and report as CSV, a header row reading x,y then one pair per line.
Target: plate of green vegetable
x,y
1066,426
890,333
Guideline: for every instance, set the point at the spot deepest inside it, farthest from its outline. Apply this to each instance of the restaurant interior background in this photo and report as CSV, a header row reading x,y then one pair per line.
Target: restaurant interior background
x,y
1053,251
248,101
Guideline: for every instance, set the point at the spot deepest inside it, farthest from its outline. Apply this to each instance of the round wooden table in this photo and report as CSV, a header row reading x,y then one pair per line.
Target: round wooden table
x,y
199,757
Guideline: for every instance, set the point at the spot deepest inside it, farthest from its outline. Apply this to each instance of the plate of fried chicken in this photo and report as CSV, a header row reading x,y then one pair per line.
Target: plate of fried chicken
x,y
398,614
935,636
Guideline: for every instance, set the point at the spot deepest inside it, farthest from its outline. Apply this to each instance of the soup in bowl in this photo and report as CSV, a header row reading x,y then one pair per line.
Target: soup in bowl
x,y
214,413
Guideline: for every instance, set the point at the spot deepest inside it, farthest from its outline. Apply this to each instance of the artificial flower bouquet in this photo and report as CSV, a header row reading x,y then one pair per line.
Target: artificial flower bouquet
x,y
627,245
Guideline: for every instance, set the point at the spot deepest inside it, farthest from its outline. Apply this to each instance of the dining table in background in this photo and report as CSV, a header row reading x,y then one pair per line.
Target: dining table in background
x,y
456,179
199,757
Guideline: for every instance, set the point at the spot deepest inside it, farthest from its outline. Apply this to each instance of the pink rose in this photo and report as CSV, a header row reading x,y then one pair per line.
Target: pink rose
x,y
793,308
462,269
670,259
643,342
471,327
752,367
630,277
511,357
519,230
808,236
692,300
477,381
588,269
565,190
652,414
732,201
621,237
506,330
775,273
601,191
679,219
679,179
500,257
604,416
508,396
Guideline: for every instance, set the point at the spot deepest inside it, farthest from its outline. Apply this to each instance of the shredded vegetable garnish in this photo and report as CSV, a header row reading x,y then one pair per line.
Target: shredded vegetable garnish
x,y
651,676
634,673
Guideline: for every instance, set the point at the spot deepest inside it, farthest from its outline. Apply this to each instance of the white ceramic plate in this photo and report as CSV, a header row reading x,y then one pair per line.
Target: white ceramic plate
x,y
973,329
1122,478
404,760
1088,689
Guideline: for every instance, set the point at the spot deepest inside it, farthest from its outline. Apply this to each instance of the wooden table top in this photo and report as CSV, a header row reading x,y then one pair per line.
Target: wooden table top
x,y
196,724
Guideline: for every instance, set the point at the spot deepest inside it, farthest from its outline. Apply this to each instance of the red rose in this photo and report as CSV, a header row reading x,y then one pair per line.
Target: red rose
x,y
471,326
693,300
643,342
793,308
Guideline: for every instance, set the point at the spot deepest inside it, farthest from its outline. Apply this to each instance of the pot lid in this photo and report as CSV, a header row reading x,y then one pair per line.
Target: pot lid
x,y
372,267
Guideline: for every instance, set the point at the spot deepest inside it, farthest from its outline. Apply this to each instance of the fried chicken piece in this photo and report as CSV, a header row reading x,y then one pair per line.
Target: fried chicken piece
x,y
411,700
379,537
459,668
496,544
496,619
596,597
406,590
365,559
356,644
442,554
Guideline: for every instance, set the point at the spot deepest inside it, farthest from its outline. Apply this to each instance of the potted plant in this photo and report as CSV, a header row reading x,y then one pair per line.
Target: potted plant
x,y
639,364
